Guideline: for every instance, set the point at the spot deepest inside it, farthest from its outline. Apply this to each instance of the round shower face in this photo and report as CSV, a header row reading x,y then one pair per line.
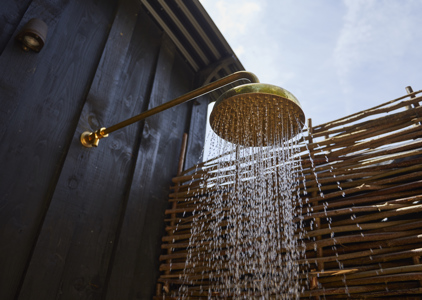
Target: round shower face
x,y
257,114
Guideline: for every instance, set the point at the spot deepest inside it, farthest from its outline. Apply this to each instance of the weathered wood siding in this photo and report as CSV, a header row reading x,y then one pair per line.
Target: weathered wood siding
x,y
78,223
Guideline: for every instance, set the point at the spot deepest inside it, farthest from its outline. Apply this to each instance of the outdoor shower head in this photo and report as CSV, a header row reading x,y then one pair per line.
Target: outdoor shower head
x,y
254,114
257,114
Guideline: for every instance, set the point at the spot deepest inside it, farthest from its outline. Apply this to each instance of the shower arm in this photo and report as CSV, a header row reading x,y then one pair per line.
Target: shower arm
x,y
91,139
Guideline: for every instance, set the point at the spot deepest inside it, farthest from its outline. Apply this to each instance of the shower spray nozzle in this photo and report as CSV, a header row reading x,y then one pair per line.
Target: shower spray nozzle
x,y
257,114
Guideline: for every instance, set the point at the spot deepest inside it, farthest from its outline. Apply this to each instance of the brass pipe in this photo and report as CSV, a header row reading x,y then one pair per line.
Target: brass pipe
x,y
91,139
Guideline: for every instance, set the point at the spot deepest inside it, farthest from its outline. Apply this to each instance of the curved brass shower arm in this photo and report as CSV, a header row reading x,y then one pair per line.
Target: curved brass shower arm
x,y
91,139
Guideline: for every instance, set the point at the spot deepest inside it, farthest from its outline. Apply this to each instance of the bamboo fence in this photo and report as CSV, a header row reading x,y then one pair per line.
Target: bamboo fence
x,y
365,204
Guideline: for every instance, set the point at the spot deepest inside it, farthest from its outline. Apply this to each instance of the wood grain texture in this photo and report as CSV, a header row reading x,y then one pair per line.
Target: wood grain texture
x,y
11,14
135,267
82,223
197,128
198,123
73,251
41,96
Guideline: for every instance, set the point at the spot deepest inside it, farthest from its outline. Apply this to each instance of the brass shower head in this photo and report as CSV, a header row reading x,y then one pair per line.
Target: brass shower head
x,y
250,115
257,114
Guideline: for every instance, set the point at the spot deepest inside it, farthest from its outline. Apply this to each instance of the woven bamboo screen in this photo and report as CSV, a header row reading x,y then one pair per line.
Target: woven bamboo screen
x,y
376,157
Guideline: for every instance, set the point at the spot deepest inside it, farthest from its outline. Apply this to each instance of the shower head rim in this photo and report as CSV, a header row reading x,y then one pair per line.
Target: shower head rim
x,y
258,88
278,102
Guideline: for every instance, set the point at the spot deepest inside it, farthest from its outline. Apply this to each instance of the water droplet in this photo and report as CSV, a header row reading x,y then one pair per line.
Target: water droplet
x,y
250,222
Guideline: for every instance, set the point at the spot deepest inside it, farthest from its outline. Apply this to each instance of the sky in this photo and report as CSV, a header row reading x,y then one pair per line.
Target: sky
x,y
337,57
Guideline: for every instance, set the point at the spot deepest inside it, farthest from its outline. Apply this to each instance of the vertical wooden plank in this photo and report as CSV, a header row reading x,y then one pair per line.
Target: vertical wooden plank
x,y
197,132
11,13
41,96
198,122
73,251
313,284
135,268
24,68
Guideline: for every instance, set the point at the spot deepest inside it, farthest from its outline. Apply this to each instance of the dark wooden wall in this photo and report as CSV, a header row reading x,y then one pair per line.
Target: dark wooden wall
x,y
79,223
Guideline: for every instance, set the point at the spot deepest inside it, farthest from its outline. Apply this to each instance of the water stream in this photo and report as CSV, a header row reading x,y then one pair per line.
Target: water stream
x,y
247,236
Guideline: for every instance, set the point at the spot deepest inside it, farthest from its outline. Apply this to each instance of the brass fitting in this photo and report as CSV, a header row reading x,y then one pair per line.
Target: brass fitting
x,y
91,139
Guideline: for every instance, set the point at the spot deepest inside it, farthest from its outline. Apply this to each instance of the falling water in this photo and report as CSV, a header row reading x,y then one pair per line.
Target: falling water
x,y
247,235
